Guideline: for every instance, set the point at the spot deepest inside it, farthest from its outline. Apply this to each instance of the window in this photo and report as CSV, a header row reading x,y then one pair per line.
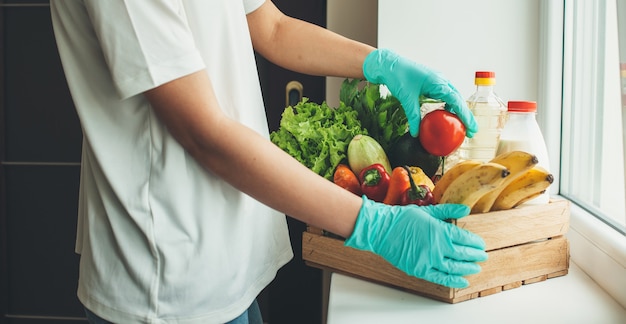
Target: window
x,y
592,149
579,83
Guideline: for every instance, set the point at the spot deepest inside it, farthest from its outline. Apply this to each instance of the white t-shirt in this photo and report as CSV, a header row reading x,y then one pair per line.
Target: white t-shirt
x,y
161,239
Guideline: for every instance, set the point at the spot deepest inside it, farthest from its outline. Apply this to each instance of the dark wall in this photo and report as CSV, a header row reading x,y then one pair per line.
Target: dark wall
x,y
40,155
296,295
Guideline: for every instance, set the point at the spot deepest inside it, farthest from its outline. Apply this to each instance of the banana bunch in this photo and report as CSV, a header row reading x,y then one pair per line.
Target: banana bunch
x,y
505,182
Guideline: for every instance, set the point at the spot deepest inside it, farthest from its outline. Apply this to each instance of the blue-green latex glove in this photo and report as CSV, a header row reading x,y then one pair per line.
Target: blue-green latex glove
x,y
417,241
407,80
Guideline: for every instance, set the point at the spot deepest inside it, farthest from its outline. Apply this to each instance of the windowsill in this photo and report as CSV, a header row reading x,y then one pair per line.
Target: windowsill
x,y
599,251
574,298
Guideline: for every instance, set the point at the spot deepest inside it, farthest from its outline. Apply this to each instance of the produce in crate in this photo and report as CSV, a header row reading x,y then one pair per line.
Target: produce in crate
x,y
470,186
364,151
317,135
513,190
441,132
398,185
346,179
374,181
418,194
420,177
529,185
320,137
403,189
517,162
449,176
382,116
406,185
408,150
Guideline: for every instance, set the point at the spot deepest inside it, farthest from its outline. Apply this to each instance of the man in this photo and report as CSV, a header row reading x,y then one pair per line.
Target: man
x,y
182,199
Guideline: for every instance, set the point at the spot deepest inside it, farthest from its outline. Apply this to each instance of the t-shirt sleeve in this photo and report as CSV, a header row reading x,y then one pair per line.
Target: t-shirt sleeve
x,y
145,43
252,5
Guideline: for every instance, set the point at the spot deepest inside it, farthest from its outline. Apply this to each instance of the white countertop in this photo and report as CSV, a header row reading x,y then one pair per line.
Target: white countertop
x,y
574,298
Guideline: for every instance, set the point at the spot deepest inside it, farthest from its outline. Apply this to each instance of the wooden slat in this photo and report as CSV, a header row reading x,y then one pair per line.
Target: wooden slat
x,y
519,225
490,291
558,274
458,299
512,285
519,263
536,279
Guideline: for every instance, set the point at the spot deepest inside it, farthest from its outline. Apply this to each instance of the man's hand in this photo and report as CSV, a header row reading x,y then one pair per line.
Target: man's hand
x,y
407,80
417,241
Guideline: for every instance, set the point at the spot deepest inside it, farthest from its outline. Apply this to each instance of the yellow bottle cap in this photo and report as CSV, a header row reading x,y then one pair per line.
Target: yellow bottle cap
x,y
485,78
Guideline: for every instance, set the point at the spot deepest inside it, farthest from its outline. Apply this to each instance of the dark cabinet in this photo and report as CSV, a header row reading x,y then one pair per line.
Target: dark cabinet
x,y
296,295
40,155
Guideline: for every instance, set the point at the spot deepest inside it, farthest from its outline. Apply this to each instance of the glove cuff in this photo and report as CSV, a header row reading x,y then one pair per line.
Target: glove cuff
x,y
377,64
359,239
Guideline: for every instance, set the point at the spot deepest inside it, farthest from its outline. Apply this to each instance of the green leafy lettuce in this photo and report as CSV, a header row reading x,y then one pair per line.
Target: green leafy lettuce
x,y
317,135
382,116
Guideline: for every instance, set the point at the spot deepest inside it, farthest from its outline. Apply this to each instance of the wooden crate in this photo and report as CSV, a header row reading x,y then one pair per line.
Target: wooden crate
x,y
525,245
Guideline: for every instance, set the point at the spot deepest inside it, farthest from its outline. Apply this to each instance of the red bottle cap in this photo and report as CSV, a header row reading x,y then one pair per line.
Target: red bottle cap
x,y
485,74
522,106
485,78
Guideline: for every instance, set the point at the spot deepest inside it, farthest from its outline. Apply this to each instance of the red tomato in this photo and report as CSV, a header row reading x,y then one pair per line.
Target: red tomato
x,y
441,132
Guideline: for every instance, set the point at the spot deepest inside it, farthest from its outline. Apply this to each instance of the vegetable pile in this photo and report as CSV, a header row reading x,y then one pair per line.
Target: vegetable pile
x,y
383,117
363,146
402,185
317,135
366,129
368,173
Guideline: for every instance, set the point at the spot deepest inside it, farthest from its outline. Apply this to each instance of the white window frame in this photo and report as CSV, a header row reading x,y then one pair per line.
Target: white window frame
x,y
597,248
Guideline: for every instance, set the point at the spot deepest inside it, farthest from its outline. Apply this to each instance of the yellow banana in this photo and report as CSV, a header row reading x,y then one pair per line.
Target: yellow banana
x,y
517,162
454,172
527,186
468,187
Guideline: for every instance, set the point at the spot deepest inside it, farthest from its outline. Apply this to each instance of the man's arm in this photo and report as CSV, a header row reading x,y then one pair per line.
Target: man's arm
x,y
310,49
248,161
304,47
243,158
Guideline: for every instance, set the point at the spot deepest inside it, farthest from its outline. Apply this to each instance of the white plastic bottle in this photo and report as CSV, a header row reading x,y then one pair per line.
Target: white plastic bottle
x,y
490,113
522,133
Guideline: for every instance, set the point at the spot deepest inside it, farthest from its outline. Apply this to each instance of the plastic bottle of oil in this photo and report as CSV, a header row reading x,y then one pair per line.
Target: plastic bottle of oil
x,y
490,113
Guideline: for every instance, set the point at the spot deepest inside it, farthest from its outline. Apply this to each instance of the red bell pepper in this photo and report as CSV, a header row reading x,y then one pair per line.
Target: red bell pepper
x,y
374,182
417,194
